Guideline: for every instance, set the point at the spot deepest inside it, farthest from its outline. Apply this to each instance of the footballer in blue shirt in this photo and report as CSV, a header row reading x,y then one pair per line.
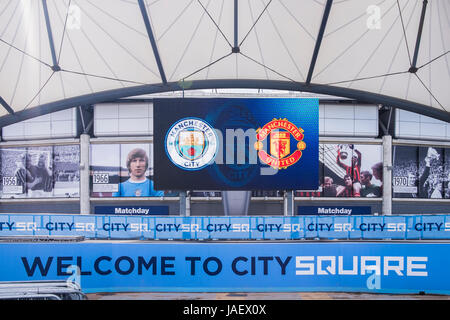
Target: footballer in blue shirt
x,y
138,185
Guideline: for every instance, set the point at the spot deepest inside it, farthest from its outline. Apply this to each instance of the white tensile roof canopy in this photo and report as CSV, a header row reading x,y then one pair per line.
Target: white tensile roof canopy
x,y
56,54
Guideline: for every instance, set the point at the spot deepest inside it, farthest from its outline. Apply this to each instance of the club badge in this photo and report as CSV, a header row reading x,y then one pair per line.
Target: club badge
x,y
279,132
191,144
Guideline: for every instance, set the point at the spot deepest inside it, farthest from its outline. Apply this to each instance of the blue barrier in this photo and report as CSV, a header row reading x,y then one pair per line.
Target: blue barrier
x,y
238,228
383,267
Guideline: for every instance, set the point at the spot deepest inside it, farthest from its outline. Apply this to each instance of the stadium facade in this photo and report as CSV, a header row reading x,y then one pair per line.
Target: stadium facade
x,y
81,90
71,86
396,138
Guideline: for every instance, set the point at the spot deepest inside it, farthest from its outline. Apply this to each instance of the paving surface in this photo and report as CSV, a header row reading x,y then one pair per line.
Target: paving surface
x,y
260,296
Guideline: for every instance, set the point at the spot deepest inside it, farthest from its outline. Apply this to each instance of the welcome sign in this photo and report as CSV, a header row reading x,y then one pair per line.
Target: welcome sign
x,y
236,144
227,267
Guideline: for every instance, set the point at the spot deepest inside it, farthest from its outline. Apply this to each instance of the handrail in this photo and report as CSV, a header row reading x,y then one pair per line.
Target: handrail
x,y
42,290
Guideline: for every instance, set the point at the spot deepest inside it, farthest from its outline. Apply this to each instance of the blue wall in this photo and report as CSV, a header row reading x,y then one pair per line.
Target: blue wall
x,y
384,267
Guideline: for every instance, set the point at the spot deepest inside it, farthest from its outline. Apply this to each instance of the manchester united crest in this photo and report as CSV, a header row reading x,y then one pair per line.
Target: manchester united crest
x,y
279,132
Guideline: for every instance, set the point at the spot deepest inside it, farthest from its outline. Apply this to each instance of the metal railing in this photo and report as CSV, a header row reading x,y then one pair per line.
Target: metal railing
x,y
40,290
77,228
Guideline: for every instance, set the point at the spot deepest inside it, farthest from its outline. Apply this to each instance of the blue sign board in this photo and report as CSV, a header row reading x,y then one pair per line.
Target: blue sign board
x,y
132,210
236,144
224,228
379,267
334,210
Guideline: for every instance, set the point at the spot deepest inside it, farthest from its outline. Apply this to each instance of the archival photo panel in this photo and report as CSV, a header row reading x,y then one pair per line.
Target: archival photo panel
x,y
39,167
338,173
105,169
333,174
367,170
405,171
14,172
431,172
447,173
66,171
135,168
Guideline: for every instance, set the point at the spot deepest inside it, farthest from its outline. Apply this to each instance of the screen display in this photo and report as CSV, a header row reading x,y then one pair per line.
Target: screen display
x,y
236,144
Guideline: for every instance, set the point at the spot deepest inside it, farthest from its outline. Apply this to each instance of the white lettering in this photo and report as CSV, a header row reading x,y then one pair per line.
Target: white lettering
x,y
354,269
299,264
331,269
26,226
410,266
396,268
373,267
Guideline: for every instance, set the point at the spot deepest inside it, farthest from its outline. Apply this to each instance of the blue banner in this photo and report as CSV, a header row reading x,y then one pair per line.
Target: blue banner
x,y
226,267
132,210
223,228
334,210
236,144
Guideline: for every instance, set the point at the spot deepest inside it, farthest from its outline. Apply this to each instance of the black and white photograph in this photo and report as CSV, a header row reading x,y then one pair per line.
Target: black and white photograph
x,y
40,172
27,172
431,173
66,171
420,172
405,171
39,166
14,172
105,169
447,173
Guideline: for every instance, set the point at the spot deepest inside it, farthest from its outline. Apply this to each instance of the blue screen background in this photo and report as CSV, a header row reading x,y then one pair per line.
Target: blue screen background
x,y
223,114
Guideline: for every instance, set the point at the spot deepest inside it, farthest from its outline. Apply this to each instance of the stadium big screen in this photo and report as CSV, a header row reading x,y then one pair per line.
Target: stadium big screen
x,y
236,144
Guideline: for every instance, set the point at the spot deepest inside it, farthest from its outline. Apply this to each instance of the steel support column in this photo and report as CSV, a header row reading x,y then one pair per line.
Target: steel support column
x,y
413,68
326,14
55,66
85,199
289,203
151,37
387,175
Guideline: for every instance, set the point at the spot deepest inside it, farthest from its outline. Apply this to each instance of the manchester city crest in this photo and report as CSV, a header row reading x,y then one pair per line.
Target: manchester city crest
x,y
191,144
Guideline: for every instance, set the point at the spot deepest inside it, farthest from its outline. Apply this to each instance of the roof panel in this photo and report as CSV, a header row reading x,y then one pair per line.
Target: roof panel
x,y
65,85
435,39
104,45
111,42
361,47
284,36
189,40
21,77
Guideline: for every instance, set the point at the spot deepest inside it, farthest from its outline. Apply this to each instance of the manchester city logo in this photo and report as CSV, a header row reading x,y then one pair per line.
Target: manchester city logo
x,y
191,144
